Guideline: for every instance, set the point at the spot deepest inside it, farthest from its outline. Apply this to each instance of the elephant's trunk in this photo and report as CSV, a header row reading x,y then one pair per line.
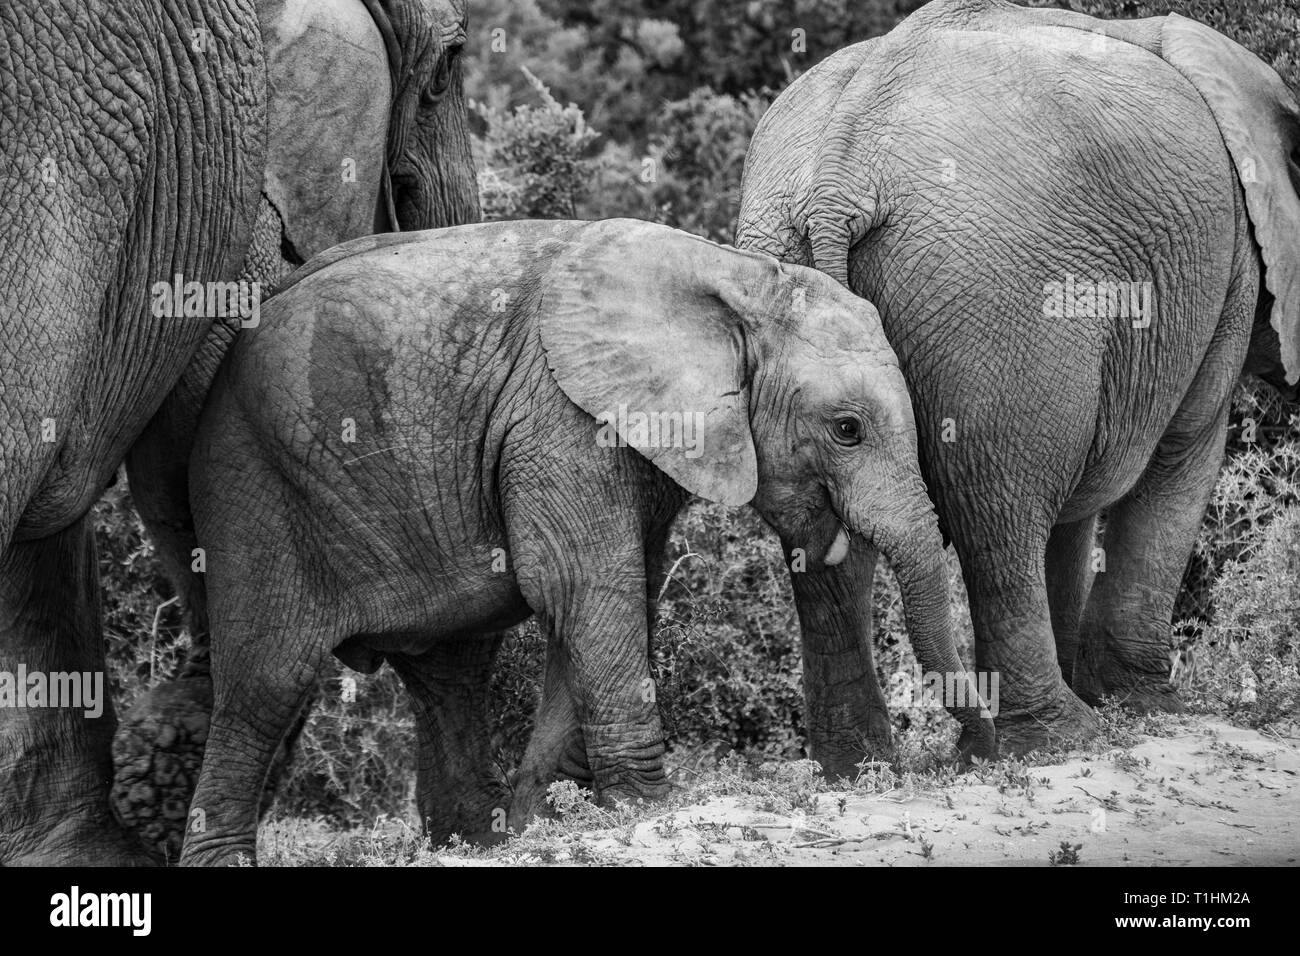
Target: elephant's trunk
x,y
909,537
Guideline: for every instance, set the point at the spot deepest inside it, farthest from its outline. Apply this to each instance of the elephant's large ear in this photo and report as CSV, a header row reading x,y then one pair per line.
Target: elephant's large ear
x,y
1260,123
329,98
640,319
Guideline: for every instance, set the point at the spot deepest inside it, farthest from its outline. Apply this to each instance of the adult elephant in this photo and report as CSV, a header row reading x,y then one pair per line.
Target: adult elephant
x,y
146,140
1077,232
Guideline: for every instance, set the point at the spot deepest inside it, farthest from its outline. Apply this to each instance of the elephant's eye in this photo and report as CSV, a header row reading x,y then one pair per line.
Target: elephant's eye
x,y
847,430
442,78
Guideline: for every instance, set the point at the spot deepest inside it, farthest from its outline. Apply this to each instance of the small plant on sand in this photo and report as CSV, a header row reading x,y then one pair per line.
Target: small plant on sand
x,y
566,798
1067,855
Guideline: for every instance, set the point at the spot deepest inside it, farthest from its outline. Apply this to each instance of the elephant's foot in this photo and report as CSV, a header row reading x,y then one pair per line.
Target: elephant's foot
x,y
978,742
1064,721
842,753
1157,697
1161,698
532,796
627,762
565,758
478,815
80,839
157,753
1142,686
232,852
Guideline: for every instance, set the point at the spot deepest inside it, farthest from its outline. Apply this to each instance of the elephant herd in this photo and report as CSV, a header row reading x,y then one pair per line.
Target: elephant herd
x,y
997,272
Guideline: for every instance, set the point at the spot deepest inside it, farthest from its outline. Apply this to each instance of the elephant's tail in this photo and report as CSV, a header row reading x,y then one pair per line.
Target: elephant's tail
x,y
832,235
830,248
840,211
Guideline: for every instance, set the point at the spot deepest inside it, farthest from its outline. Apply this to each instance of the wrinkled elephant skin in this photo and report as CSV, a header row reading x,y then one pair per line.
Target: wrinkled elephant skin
x,y
1064,224
433,436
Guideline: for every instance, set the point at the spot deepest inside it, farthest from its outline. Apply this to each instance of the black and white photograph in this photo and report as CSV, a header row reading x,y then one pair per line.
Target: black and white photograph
x,y
512,434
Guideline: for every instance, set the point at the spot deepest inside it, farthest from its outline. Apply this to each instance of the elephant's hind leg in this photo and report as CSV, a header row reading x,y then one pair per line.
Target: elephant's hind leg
x,y
54,751
1002,557
457,788
266,654
1125,635
1069,572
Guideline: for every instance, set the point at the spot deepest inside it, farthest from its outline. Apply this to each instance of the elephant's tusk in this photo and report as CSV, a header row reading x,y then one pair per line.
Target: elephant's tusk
x,y
839,549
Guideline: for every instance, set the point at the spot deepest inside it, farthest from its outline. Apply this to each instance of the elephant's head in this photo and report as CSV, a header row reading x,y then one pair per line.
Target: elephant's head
x,y
745,380
368,129
424,39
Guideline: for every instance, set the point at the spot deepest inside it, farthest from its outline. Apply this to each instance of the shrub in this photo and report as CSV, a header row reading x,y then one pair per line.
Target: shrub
x,y
355,758
1250,664
1259,481
698,147
534,161
726,657
145,639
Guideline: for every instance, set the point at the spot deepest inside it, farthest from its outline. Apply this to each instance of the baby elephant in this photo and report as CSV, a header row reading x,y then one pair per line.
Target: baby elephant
x,y
434,435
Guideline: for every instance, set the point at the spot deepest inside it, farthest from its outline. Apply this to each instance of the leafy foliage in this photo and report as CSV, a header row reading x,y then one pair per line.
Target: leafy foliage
x,y
145,638
1251,661
534,163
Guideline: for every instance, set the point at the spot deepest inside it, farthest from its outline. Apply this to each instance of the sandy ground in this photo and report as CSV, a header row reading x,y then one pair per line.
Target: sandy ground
x,y
1211,794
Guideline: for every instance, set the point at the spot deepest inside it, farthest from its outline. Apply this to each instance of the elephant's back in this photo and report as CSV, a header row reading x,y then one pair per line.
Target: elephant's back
x,y
1033,204
1053,104
1020,160
371,322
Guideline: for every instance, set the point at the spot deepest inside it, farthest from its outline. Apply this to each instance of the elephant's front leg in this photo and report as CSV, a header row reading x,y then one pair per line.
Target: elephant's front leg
x,y
556,750
1125,635
593,605
847,718
57,725
457,789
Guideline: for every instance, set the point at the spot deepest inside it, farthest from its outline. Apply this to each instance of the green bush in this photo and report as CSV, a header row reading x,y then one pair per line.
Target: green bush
x,y
726,656
1260,480
621,60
